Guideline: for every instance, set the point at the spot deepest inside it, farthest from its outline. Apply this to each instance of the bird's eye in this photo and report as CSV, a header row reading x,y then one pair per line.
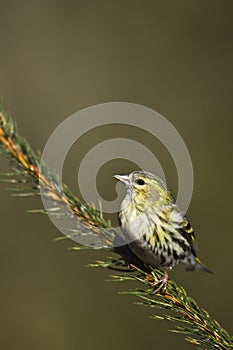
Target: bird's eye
x,y
140,182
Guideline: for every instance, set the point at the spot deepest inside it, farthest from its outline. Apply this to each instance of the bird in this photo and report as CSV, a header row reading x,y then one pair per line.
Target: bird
x,y
157,230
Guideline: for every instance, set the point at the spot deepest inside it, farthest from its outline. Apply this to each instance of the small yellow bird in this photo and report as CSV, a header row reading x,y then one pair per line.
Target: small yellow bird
x,y
159,233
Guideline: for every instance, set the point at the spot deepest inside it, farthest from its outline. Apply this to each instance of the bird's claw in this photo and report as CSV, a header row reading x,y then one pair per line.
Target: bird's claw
x,y
160,286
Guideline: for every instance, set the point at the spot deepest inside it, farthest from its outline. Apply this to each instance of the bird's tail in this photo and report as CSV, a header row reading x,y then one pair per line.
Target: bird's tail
x,y
197,264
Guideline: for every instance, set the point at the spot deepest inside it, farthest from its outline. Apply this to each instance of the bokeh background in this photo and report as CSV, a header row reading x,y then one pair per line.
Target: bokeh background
x,y
58,57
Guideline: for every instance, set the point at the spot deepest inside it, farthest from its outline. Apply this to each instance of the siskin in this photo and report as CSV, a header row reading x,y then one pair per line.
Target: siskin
x,y
159,233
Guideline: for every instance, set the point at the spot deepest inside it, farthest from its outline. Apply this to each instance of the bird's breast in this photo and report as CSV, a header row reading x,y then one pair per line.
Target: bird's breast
x,y
135,223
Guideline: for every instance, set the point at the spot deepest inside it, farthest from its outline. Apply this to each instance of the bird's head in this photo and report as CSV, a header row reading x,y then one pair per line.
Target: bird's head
x,y
143,186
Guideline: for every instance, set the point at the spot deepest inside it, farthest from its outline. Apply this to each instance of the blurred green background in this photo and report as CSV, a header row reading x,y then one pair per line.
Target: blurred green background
x,y
58,57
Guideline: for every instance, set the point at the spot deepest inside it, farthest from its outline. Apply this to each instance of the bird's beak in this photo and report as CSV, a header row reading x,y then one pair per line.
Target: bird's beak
x,y
122,178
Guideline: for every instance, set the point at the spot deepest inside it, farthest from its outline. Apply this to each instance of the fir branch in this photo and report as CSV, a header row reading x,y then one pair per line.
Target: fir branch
x,y
193,321
37,175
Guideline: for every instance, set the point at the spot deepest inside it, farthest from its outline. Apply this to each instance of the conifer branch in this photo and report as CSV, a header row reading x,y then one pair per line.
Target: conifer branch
x,y
193,321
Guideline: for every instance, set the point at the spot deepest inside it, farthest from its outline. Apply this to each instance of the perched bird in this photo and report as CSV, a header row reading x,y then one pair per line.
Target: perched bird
x,y
159,233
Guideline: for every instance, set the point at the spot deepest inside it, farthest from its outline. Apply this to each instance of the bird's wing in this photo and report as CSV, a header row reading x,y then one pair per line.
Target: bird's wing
x,y
178,224
186,230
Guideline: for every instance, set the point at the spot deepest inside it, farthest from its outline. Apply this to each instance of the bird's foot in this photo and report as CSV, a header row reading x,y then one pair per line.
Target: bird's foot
x,y
160,286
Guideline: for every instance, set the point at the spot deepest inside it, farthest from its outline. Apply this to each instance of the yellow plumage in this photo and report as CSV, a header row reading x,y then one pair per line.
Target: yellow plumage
x,y
159,233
